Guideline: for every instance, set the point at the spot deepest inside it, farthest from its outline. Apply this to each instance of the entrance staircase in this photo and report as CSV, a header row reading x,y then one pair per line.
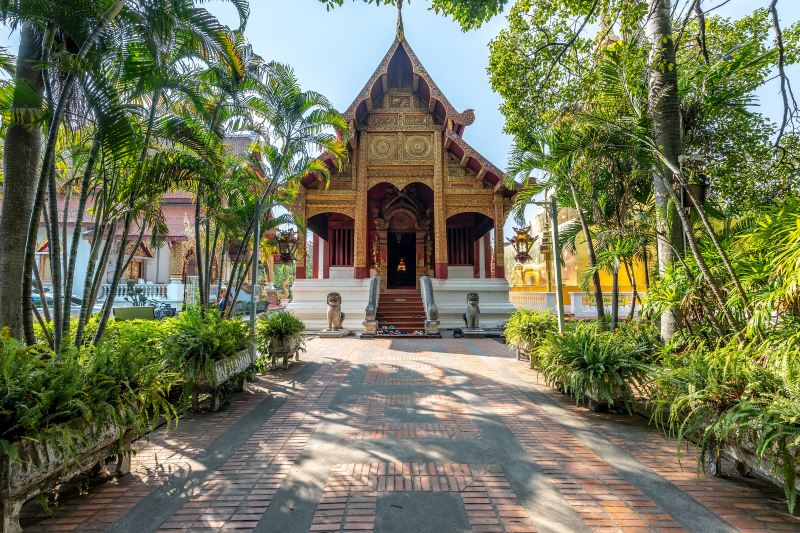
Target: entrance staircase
x,y
403,309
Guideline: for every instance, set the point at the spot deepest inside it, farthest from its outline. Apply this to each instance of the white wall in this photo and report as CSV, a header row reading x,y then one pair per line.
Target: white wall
x,y
341,273
81,260
309,302
163,256
461,272
450,296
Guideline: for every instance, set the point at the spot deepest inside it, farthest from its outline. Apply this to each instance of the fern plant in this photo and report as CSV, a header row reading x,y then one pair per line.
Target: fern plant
x,y
59,401
276,329
727,397
197,338
587,362
527,329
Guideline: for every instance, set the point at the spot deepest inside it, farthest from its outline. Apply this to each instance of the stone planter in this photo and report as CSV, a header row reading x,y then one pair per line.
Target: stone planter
x,y
746,462
224,369
523,350
283,349
596,403
41,468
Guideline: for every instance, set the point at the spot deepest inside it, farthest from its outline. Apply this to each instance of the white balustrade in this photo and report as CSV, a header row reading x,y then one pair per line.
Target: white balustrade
x,y
535,301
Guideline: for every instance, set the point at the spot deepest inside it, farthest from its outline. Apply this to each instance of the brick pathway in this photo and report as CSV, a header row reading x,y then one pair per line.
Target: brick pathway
x,y
412,435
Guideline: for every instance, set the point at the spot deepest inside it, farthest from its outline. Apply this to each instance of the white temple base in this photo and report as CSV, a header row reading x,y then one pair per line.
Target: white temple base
x,y
309,302
450,296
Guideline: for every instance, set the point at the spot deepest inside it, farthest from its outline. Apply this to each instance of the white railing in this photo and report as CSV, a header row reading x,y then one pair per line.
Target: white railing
x,y
538,301
155,291
583,305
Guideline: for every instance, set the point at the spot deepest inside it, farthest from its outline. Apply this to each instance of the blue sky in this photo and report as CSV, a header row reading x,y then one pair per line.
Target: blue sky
x,y
335,53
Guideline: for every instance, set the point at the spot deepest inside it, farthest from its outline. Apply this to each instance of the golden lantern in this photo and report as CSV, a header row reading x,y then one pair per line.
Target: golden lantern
x,y
522,243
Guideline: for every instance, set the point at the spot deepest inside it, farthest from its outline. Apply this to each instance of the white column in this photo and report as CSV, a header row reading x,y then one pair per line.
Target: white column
x,y
320,253
482,256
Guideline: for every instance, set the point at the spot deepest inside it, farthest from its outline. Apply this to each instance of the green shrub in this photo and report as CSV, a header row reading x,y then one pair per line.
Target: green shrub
x,y
584,361
276,327
728,395
527,330
197,338
53,400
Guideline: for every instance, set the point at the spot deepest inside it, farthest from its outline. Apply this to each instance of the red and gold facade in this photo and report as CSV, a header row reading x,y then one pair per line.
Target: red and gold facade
x,y
414,199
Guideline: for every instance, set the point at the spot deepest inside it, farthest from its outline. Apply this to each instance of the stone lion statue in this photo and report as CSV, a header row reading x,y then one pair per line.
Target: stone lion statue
x,y
335,315
472,317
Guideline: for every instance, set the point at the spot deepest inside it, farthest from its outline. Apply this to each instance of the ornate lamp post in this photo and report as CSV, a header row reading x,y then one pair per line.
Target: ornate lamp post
x,y
522,243
287,243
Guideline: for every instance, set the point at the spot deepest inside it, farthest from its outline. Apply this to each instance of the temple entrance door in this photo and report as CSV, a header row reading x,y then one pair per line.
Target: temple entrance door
x,y
402,259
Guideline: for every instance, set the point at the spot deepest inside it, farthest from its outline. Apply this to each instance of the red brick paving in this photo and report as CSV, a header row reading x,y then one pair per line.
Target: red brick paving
x,y
241,490
740,504
590,485
372,422
165,455
405,374
424,374
349,500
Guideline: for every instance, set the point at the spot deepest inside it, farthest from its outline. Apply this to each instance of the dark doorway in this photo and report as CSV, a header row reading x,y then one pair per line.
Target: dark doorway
x,y
402,269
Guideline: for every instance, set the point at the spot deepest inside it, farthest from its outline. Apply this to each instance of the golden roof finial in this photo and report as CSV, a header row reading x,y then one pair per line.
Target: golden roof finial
x,y
400,34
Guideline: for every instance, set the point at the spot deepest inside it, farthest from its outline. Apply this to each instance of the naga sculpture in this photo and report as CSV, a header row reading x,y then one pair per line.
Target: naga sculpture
x,y
335,315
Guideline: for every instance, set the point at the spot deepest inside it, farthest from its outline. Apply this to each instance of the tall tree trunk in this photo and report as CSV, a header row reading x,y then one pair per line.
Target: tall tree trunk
x,y
198,248
88,282
587,235
23,144
69,270
665,110
614,298
701,263
698,208
55,261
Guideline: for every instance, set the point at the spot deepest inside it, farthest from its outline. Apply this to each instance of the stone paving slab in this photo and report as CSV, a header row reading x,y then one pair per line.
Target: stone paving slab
x,y
412,435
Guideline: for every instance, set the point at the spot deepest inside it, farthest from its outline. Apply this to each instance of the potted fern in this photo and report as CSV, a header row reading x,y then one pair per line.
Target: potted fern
x,y
63,416
527,329
280,335
208,349
598,367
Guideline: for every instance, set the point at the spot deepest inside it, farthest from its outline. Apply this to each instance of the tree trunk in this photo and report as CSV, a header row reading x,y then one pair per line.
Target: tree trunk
x,y
614,298
701,263
23,143
698,208
69,270
55,262
198,248
587,235
665,110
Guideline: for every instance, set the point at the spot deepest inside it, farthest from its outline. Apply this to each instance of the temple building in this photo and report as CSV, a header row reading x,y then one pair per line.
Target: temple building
x,y
414,200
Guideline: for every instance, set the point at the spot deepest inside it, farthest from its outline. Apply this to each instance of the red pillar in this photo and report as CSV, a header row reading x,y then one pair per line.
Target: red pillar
x,y
487,256
476,258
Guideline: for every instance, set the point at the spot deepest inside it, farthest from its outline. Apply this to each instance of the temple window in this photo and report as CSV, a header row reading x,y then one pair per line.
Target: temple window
x,y
341,248
460,249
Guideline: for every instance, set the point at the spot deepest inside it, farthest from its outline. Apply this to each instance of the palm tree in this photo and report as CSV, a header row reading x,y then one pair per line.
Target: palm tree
x,y
295,126
556,154
118,87
23,142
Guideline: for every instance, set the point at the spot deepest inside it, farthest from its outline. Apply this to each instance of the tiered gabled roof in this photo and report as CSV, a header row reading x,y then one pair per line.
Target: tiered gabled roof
x,y
427,91
424,86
